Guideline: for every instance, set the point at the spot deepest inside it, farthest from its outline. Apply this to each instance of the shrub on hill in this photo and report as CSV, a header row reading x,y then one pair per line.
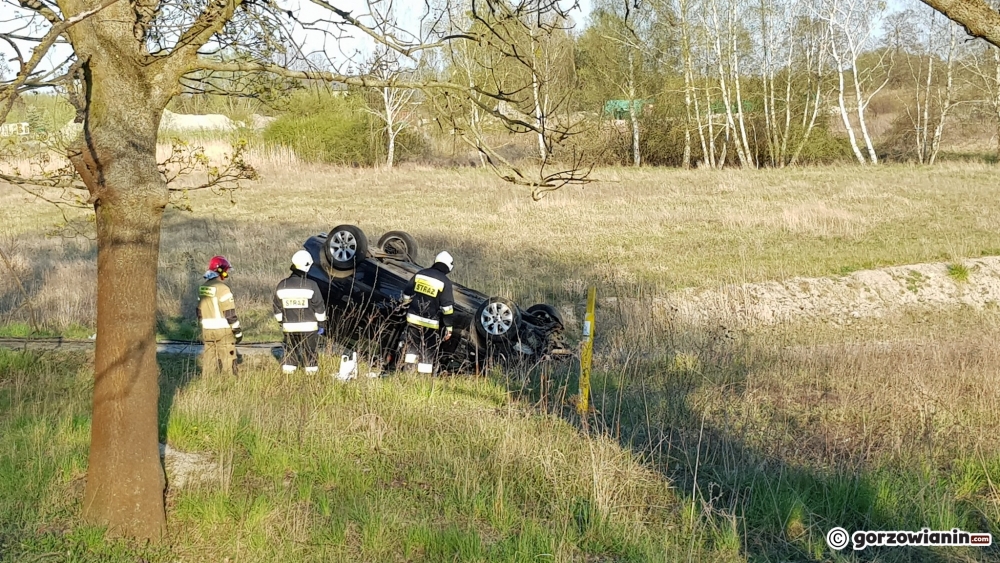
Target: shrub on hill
x,y
337,128
325,127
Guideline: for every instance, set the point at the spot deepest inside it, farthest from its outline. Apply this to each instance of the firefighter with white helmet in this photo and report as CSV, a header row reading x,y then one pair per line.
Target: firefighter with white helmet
x,y
299,307
430,307
220,327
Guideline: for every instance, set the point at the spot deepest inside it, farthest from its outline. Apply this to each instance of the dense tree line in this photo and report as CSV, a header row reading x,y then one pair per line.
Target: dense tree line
x,y
748,83
706,83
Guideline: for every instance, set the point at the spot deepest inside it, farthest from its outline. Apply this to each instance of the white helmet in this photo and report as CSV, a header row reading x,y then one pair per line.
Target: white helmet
x,y
446,259
302,260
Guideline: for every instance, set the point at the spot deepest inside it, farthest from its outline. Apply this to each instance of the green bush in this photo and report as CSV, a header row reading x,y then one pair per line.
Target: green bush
x,y
337,128
326,127
823,147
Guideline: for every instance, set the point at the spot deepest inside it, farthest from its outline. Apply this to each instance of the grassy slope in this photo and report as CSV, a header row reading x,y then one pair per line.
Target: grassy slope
x,y
388,470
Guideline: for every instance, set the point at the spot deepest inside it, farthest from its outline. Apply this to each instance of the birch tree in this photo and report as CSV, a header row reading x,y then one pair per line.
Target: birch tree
x,y
982,71
813,39
394,110
393,105
794,49
727,64
853,25
619,56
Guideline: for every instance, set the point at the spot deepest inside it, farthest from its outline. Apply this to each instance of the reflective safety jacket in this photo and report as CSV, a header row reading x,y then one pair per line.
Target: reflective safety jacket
x,y
217,310
298,304
430,298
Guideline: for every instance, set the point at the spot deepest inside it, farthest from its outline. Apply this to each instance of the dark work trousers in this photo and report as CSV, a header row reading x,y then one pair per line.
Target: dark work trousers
x,y
301,351
421,350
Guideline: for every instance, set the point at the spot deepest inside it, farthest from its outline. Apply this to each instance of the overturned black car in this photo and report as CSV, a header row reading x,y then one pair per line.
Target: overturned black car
x,y
363,288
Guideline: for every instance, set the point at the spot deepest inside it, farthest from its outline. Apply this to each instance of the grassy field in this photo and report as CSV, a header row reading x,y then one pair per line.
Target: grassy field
x,y
630,230
706,444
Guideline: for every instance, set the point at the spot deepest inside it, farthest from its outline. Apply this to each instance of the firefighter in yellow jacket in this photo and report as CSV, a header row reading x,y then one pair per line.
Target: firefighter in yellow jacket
x,y
220,327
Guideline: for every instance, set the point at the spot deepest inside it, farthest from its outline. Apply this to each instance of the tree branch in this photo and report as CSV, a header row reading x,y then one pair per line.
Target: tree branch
x,y
9,91
40,8
211,20
388,39
976,16
55,181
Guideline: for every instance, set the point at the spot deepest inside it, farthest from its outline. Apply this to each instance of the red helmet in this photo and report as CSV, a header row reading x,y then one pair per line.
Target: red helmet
x,y
220,265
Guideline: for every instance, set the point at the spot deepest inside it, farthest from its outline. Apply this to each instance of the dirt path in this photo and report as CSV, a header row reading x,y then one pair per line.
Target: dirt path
x,y
862,294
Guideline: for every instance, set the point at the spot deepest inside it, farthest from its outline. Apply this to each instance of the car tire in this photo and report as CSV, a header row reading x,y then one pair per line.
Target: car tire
x,y
497,319
399,243
346,245
544,310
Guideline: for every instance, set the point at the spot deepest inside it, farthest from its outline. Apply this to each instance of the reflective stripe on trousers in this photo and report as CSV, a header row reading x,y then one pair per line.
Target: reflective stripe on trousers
x,y
214,323
422,321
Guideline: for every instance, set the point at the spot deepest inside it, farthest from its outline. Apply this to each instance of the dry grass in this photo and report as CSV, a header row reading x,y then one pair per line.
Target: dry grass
x,y
646,228
889,423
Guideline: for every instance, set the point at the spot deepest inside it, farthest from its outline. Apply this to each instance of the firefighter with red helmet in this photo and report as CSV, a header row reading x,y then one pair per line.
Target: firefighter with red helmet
x,y
299,307
430,307
220,327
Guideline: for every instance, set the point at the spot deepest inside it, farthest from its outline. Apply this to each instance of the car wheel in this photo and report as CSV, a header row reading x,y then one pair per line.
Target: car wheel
x,y
497,319
399,243
547,313
345,246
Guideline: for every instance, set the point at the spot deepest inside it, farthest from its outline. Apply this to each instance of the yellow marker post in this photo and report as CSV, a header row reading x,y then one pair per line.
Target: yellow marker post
x,y
587,354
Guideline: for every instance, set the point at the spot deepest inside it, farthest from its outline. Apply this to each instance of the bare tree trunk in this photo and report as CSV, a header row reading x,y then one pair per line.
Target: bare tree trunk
x,y
767,78
542,153
847,121
862,122
707,144
474,118
686,155
787,130
921,97
949,90
995,93
688,86
748,152
809,117
390,129
391,152
633,117
712,161
116,159
840,92
536,95
726,99
925,130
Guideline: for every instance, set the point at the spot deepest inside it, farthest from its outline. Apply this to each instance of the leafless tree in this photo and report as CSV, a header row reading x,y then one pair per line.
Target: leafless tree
x,y
394,106
853,25
932,100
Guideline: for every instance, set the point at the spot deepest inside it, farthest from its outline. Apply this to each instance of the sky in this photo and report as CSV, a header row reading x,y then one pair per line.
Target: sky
x,y
408,14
